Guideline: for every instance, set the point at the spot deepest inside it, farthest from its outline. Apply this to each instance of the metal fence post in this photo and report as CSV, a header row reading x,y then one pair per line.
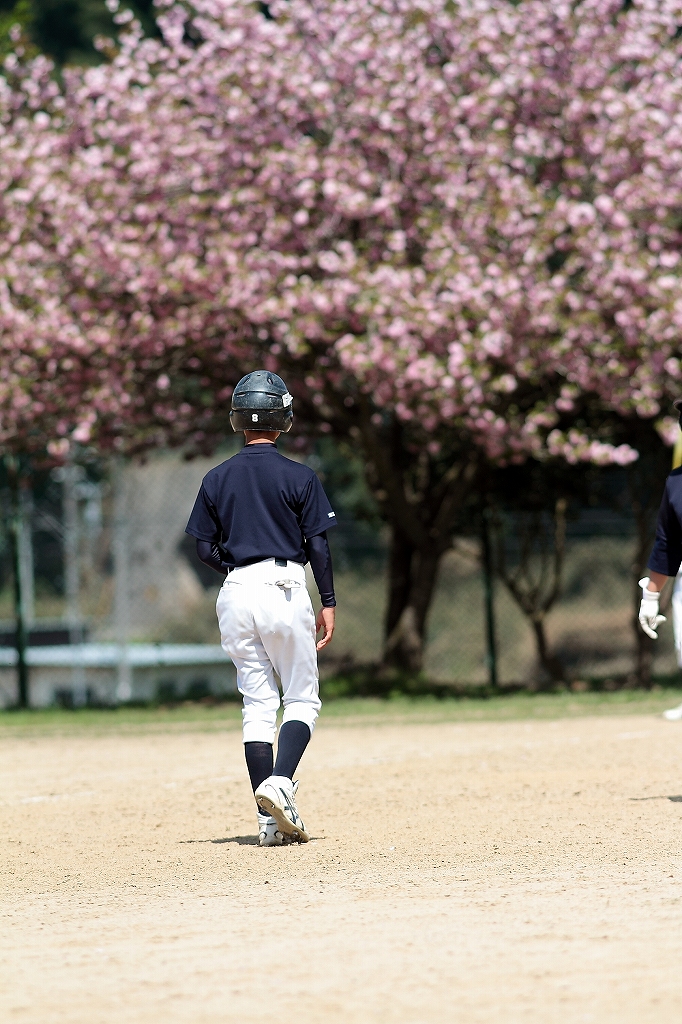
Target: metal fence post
x,y
15,531
489,599
72,475
26,566
124,688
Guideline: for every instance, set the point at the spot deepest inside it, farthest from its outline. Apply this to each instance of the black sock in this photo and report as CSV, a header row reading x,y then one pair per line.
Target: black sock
x,y
293,739
258,761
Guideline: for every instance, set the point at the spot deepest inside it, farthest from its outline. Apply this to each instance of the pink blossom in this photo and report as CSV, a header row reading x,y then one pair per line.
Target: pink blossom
x,y
469,216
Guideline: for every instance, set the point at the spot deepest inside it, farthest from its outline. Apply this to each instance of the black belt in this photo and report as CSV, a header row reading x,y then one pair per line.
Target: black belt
x,y
282,562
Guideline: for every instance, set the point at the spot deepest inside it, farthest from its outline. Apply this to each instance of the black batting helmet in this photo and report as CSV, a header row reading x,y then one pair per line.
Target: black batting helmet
x,y
261,402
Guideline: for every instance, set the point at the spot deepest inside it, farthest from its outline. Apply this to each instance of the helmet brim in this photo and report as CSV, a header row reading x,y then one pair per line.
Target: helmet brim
x,y
262,419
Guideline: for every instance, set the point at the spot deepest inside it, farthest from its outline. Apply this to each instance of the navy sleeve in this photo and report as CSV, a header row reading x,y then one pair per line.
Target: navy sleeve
x,y
320,558
203,522
667,552
210,555
316,513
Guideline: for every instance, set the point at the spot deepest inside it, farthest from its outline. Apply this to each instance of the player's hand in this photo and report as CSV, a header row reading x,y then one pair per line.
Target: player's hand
x,y
325,620
649,618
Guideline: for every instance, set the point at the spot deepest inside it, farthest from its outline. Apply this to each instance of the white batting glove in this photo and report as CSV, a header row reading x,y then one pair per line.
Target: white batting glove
x,y
649,619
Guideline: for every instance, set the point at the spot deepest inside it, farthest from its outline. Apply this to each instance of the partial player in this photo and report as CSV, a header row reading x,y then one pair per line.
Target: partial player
x,y
664,562
258,519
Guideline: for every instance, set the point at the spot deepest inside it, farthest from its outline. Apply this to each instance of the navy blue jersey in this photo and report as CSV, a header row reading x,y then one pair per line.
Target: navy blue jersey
x,y
258,505
666,556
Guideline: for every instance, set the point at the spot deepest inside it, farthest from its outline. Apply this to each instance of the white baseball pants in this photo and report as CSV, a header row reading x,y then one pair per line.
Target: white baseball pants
x,y
267,625
677,616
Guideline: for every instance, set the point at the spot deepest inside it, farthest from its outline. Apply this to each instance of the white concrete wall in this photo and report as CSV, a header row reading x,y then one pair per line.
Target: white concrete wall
x,y
45,682
159,498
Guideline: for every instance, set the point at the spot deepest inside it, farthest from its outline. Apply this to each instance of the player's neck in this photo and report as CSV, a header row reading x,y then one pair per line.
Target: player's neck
x,y
261,436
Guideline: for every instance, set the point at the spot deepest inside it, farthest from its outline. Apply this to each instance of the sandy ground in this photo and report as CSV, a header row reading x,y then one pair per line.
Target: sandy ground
x,y
486,872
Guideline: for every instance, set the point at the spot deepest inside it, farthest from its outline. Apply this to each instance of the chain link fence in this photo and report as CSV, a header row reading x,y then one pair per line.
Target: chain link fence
x,y
589,629
119,608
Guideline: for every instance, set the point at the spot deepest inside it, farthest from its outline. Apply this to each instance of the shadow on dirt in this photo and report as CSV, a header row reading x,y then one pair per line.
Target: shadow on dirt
x,y
240,840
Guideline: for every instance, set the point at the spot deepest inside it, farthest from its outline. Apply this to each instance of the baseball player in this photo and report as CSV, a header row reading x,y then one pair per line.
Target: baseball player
x,y
258,519
665,561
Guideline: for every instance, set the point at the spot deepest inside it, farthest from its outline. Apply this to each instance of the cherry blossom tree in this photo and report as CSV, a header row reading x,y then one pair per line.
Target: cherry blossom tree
x,y
454,227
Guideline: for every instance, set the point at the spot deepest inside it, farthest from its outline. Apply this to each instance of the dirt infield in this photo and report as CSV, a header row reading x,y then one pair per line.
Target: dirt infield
x,y
476,872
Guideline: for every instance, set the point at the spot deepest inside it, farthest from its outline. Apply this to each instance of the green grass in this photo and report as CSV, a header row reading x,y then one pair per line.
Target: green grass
x,y
178,718
344,712
514,707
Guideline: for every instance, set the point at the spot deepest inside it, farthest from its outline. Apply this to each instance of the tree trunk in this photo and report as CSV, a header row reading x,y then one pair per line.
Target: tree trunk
x,y
412,579
400,555
536,587
421,495
548,661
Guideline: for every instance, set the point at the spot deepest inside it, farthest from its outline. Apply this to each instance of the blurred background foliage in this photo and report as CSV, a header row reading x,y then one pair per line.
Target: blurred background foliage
x,y
608,525
65,29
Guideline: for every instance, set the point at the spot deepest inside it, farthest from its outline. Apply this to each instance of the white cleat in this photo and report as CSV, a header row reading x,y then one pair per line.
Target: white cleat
x,y
674,715
276,797
268,831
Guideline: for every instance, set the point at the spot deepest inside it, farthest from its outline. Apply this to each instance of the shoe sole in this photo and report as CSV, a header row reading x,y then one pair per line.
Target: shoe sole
x,y
268,806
